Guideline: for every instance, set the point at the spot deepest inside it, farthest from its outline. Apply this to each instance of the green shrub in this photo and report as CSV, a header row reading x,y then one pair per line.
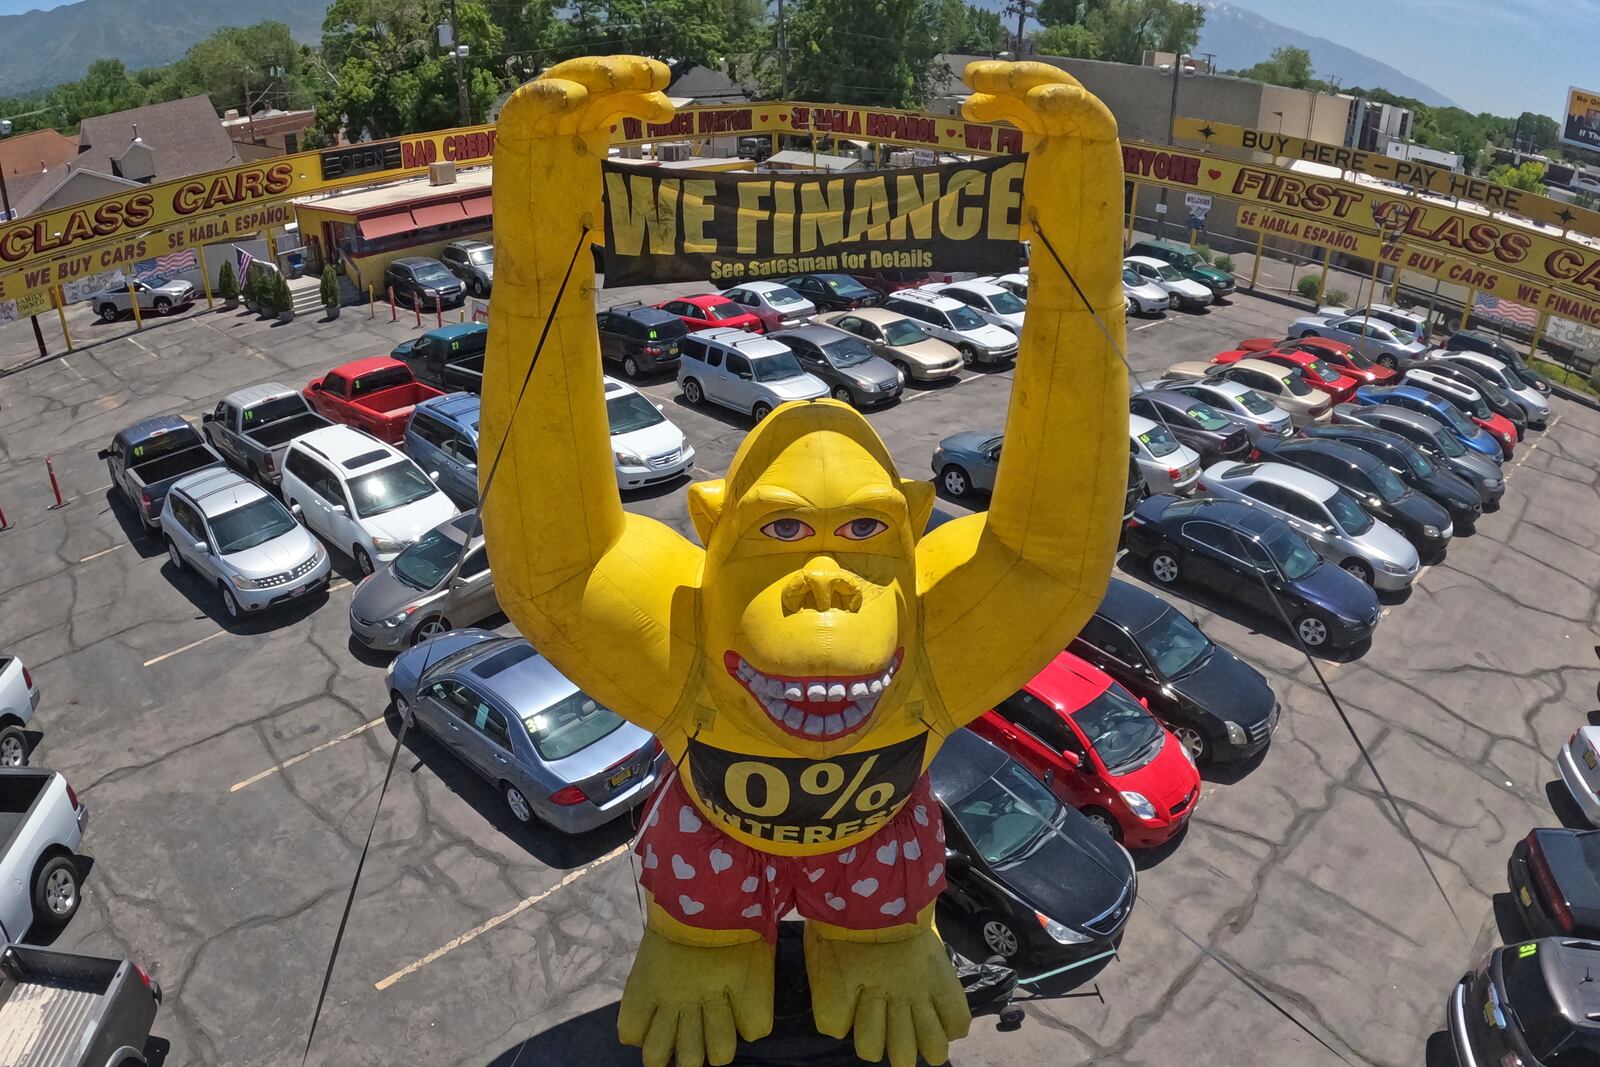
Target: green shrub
x,y
1203,251
227,284
282,298
1309,287
330,288
1224,263
1337,297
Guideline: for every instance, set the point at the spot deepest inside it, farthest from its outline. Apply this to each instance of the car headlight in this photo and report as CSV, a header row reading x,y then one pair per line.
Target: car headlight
x,y
628,459
383,544
898,373
1188,756
1431,531
254,583
398,618
1139,805
1061,935
1392,568
1236,734
1491,483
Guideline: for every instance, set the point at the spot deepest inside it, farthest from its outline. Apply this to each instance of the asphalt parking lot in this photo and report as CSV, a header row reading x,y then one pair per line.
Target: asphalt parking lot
x,y
232,770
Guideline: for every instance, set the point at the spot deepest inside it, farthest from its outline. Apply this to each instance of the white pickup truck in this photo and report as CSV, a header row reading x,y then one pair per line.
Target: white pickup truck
x,y
41,827
19,699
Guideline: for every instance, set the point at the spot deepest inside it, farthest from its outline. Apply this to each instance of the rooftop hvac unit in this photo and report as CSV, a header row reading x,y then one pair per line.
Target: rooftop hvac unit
x,y
443,173
674,151
902,159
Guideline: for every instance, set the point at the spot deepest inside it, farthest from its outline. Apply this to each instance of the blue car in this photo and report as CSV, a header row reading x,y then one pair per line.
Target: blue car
x,y
442,437
1435,407
1230,548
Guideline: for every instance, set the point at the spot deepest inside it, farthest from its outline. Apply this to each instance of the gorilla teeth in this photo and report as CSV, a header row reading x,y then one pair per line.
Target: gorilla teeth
x,y
840,705
817,693
794,718
858,691
793,693
835,692
854,714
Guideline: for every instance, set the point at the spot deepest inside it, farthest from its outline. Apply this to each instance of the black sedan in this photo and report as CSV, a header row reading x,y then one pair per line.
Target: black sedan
x,y
844,363
1195,423
1555,879
1414,467
1220,707
1500,402
833,292
1414,516
1036,877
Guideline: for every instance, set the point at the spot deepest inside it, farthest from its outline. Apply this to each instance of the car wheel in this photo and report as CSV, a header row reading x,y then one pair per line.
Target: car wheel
x,y
1312,630
476,286
518,804
401,706
630,367
108,312
967,354
841,394
55,891
1388,361
1101,820
13,747
431,627
691,391
363,560
230,603
1194,741
999,937
1358,567
162,305
761,411
903,367
955,481
1164,568
174,555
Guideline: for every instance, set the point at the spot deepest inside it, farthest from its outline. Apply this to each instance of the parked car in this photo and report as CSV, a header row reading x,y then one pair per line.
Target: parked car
x,y
1350,363
41,829
1536,409
1168,465
1234,399
146,458
713,311
1099,750
430,588
1437,441
645,445
1317,373
1198,426
994,302
977,339
1144,296
19,699
642,339
472,262
833,292
360,495
1413,467
1035,877
442,437
64,1009
844,363
1436,407
901,341
1182,290
555,755
778,306
1489,345
236,536
1372,337
888,280
376,395
252,428
739,370
1499,400
1187,260
1552,875
1017,282
1329,518
1218,706
1283,386
448,358
1400,320
424,283
965,463
1256,559
1468,400
1579,767
156,295
1528,1003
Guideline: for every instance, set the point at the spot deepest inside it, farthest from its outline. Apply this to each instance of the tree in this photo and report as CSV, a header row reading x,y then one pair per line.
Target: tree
x,y
1070,40
877,52
1126,29
684,32
1286,66
104,89
227,284
965,28
1529,177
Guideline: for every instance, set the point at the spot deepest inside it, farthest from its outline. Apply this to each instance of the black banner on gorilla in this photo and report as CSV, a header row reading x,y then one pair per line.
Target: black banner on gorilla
x,y
686,226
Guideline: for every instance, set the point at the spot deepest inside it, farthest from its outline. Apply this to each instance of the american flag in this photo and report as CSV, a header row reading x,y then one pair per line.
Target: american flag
x,y
166,266
245,259
1492,307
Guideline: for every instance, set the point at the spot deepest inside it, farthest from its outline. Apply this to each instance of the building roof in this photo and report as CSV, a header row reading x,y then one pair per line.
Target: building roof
x,y
186,135
706,85
36,152
46,186
813,160
403,195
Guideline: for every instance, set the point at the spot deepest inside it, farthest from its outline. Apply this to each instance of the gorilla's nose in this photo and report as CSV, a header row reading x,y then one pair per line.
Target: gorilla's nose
x,y
822,586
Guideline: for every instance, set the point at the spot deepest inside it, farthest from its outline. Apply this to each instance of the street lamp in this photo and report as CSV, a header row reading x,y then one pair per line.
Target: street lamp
x,y
1388,233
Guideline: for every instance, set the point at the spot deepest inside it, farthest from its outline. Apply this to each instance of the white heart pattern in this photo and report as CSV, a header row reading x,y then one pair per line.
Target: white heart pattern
x,y
690,907
865,888
681,868
836,903
655,816
750,884
651,860
772,874
887,854
934,872
894,907
752,911
688,821
920,814
911,849
814,875
848,856
720,861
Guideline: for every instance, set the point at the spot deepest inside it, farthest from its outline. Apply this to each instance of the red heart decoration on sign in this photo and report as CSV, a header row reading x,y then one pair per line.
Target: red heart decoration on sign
x,y
763,118
950,133
782,117
613,129
1213,174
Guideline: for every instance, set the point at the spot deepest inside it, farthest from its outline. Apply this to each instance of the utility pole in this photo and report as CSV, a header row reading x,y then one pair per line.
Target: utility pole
x,y
1024,10
463,98
5,202
783,55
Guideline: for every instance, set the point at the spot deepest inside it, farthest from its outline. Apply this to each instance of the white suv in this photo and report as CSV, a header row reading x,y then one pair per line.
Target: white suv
x,y
977,339
363,497
995,302
743,371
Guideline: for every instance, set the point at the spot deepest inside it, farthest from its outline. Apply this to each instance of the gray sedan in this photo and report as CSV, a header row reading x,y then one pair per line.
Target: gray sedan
x,y
555,755
965,462
435,585
1379,341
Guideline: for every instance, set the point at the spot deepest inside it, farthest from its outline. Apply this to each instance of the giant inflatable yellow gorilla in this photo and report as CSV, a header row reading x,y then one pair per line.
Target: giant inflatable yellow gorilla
x,y
802,668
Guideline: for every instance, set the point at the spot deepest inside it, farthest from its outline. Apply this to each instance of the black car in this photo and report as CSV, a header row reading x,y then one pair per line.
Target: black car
x,y
1434,440
1196,424
833,292
1414,467
424,283
1037,878
844,363
1413,515
1498,400
1489,345
1536,1004
640,338
1555,879
1220,707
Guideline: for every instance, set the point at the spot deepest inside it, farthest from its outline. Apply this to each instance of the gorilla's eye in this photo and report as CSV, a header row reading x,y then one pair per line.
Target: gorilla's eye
x,y
861,529
787,530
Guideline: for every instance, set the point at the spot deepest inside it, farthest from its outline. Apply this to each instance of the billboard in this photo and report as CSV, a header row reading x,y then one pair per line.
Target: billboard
x,y
1581,126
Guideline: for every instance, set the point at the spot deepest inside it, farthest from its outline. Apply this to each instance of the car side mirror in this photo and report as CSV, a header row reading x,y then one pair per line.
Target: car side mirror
x,y
660,408
208,417
433,476
338,509
745,375
297,511
1071,759
316,386
955,861
202,547
104,453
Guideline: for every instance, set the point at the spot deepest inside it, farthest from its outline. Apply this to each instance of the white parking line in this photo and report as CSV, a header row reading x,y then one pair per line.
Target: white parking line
x,y
1147,325
292,760
342,583
102,552
485,927
185,648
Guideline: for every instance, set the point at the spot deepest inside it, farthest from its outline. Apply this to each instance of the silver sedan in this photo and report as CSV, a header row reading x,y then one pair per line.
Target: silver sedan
x,y
435,585
1379,341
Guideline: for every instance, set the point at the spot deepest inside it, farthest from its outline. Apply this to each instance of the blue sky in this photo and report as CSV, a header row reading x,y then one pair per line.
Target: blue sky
x,y
1502,56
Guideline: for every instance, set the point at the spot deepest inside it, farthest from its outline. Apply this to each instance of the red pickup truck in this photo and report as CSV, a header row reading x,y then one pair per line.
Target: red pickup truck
x,y
375,395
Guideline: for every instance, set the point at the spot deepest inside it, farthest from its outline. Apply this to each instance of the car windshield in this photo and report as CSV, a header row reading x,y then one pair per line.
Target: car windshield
x,y
1454,419
1449,444
1175,644
724,312
482,257
569,726
1254,402
429,562
1006,303
1207,416
272,411
1131,277
1295,382
1159,440
783,297
1347,513
1007,814
1289,551
847,352
388,488
1418,463
1123,734
1169,273
776,368
432,272
845,286
256,523
630,411
903,332
964,318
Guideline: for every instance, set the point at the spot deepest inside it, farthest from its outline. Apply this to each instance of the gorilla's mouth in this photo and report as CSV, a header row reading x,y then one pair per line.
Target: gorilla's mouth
x,y
818,709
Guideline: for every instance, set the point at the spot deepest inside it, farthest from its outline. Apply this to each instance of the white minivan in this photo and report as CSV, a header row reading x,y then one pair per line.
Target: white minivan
x,y
645,444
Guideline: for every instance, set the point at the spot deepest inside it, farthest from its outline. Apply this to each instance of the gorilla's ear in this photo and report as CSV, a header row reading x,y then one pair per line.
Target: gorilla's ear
x,y
705,506
919,504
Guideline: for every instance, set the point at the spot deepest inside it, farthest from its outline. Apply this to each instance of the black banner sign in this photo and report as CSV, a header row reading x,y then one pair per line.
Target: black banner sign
x,y
349,160
679,225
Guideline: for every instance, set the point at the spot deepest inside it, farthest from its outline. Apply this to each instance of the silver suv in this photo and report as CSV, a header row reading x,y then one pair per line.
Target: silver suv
x,y
977,339
742,371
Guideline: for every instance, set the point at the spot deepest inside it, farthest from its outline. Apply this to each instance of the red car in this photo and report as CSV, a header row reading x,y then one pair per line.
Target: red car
x,y
1348,360
374,394
713,310
1318,373
1098,749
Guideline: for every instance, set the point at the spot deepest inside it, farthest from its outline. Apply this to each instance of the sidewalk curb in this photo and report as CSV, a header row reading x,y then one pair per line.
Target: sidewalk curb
x,y
1581,399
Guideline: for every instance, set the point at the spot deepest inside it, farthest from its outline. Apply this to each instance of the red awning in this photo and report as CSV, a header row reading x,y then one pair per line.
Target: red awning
x,y
385,225
438,214
480,206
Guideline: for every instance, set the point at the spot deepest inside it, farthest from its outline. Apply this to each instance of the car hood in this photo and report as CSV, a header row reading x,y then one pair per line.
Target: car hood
x,y
875,371
930,353
1211,274
1189,287
968,440
412,521
1343,594
175,287
275,556
803,310
1145,290
991,336
1228,686
1418,507
1451,488
383,596
1481,467
1072,875
800,387
649,441
1385,542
